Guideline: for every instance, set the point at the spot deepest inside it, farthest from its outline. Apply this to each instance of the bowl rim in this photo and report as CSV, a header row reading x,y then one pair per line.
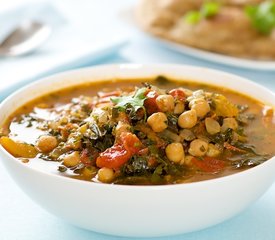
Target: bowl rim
x,y
59,76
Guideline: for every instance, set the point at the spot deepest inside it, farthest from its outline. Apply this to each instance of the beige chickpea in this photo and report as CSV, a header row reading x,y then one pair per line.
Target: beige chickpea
x,y
212,126
201,106
165,103
188,160
198,94
229,123
175,152
179,107
213,151
105,175
46,143
198,148
158,121
188,119
72,159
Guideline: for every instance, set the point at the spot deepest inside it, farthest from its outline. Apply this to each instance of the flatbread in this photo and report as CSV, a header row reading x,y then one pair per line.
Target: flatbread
x,y
229,32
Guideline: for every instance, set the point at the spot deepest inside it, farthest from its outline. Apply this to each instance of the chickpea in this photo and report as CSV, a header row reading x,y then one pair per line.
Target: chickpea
x,y
201,107
46,143
105,175
72,159
212,126
213,151
165,103
229,123
175,152
179,108
198,148
158,121
199,93
188,119
188,160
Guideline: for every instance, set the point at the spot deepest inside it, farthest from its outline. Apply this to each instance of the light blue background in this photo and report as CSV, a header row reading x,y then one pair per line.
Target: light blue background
x,y
22,219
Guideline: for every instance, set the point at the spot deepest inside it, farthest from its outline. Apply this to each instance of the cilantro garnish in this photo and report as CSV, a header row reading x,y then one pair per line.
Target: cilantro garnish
x,y
192,17
208,9
262,16
135,101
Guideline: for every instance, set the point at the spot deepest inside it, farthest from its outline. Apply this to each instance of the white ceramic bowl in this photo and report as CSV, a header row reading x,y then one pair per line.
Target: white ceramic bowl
x,y
139,210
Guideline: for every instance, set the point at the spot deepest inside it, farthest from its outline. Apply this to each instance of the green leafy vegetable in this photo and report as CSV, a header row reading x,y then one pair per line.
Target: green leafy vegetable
x,y
208,9
136,166
248,160
262,16
135,101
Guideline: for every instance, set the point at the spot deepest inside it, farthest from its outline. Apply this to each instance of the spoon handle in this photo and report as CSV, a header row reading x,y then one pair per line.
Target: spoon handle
x,y
25,38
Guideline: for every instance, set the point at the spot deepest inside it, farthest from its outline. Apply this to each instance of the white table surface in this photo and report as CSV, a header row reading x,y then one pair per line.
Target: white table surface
x,y
22,219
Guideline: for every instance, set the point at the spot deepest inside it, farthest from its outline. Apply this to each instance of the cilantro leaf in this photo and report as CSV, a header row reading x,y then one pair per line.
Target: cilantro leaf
x,y
207,10
192,17
135,101
210,9
262,16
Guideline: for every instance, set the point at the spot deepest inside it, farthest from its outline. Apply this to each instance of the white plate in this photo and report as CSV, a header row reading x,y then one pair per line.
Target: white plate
x,y
128,16
215,57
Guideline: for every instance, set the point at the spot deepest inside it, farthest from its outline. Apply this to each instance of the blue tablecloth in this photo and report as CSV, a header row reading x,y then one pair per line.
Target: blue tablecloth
x,y
22,219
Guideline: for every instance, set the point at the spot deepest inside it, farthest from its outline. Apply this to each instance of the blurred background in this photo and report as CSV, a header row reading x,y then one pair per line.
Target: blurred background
x,y
88,32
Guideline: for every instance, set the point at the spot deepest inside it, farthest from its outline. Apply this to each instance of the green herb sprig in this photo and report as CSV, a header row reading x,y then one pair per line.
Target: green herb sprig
x,y
207,10
135,101
262,16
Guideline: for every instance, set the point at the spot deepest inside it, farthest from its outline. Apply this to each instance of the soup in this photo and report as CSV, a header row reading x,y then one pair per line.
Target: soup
x,y
142,132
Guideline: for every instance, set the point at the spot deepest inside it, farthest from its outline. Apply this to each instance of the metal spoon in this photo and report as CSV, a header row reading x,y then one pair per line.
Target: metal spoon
x,y
24,39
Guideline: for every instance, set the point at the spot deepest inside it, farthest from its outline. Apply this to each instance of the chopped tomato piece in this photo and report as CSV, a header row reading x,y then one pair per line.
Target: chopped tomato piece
x,y
209,164
87,157
105,97
178,94
113,157
130,142
150,102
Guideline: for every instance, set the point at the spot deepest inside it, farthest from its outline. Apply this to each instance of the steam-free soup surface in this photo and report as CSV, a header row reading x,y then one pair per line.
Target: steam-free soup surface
x,y
142,132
